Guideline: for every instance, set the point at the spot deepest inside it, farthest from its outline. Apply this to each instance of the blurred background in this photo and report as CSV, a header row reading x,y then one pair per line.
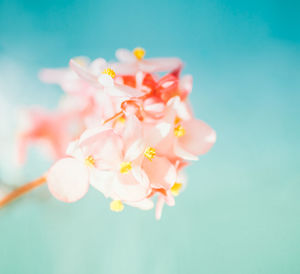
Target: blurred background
x,y
240,211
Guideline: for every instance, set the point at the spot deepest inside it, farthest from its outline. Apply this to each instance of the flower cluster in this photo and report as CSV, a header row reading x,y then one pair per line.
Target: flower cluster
x,y
123,127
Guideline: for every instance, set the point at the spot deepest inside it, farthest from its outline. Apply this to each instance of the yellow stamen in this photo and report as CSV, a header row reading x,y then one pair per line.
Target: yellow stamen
x,y
122,120
90,161
150,153
177,120
175,189
125,167
179,131
109,72
116,206
139,53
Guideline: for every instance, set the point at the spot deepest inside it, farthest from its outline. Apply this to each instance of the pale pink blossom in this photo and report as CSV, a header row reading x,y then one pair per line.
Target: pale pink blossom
x,y
122,128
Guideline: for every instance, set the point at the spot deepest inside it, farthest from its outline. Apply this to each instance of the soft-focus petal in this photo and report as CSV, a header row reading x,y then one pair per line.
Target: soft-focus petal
x,y
53,76
132,131
97,66
199,137
102,180
186,84
129,91
134,150
125,55
106,80
146,204
182,153
161,173
128,189
83,73
68,180
160,64
159,207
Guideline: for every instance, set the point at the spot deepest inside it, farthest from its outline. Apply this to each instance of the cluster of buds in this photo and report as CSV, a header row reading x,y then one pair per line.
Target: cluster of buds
x,y
124,128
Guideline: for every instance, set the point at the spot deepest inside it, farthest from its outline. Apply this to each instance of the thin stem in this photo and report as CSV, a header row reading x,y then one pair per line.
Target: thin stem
x,y
21,191
113,117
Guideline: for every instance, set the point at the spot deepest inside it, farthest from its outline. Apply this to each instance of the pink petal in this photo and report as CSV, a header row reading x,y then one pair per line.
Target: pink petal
x,y
161,173
84,73
128,189
182,153
124,68
132,131
97,66
53,76
186,84
199,137
159,207
160,64
129,91
68,180
105,146
102,181
146,204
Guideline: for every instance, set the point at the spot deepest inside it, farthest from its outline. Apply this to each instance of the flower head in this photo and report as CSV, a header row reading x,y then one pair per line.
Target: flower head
x,y
135,130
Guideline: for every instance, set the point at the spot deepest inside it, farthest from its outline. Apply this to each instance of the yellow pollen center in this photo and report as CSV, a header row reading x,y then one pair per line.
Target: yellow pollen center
x,y
150,153
90,161
179,131
109,72
116,206
175,189
122,120
139,53
125,167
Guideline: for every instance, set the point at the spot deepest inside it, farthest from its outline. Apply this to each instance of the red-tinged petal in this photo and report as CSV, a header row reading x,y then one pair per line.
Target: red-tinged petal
x,y
68,180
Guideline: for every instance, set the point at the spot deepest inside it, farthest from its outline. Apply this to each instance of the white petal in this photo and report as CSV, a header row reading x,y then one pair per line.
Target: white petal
x,y
102,180
106,80
134,150
125,55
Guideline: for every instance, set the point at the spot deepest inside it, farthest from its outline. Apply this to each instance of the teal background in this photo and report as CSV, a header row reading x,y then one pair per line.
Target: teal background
x,y
240,211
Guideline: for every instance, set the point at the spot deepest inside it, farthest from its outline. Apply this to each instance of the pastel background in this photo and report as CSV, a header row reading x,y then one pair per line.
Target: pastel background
x,y
240,213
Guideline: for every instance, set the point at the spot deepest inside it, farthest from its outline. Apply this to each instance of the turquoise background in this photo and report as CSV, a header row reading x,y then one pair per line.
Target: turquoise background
x,y
240,211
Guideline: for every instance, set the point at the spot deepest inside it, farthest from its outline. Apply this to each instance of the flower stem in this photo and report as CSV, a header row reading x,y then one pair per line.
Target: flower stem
x,y
21,191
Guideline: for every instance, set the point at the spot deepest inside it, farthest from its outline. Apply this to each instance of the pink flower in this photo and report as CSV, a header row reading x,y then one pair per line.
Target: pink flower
x,y
134,130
